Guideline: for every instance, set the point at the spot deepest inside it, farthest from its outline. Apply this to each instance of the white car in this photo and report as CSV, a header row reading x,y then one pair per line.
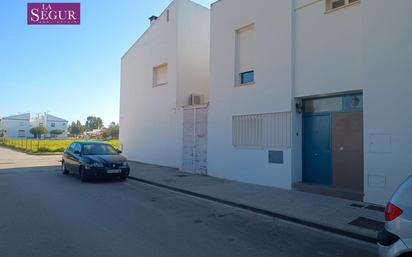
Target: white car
x,y
396,239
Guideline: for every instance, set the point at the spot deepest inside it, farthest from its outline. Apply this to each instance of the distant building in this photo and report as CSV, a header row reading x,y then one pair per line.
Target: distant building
x,y
51,123
95,133
15,126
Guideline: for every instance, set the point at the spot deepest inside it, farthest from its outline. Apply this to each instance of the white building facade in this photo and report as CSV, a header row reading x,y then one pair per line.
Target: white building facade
x,y
310,94
52,123
166,66
16,126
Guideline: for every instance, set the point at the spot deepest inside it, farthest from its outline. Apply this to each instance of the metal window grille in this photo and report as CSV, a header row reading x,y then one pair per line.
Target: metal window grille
x,y
268,130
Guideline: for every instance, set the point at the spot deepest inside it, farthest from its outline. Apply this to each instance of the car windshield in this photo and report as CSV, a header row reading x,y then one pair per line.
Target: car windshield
x,y
98,149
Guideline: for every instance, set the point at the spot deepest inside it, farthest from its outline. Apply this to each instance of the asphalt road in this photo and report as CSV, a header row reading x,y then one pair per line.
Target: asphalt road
x,y
44,213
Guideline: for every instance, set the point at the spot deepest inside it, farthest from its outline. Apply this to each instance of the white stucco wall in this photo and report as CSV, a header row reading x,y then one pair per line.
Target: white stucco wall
x,y
387,78
363,47
270,93
151,117
328,49
193,51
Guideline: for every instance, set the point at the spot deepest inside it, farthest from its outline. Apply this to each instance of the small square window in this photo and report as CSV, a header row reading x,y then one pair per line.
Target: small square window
x,y
247,77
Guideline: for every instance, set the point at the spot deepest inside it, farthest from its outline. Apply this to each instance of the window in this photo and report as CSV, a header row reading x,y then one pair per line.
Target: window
x,y
99,149
71,147
245,55
247,77
346,103
336,4
21,123
78,147
160,75
53,125
64,124
22,133
268,130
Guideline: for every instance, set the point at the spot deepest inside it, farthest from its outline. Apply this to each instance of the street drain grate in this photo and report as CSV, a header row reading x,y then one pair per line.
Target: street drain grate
x,y
357,205
375,208
368,223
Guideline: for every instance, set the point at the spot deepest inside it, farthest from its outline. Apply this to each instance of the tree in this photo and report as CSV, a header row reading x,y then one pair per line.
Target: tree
x,y
112,131
93,123
56,132
37,132
76,128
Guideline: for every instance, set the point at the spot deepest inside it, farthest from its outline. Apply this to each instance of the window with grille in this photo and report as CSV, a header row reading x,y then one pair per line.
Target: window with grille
x,y
268,130
336,4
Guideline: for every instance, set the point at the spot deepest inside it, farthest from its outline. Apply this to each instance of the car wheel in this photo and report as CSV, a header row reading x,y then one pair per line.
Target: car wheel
x,y
64,169
83,176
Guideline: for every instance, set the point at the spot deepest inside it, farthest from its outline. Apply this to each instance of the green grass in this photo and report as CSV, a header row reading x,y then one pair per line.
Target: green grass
x,y
45,146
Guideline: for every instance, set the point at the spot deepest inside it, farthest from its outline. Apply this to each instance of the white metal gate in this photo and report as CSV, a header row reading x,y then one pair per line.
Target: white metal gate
x,y
195,139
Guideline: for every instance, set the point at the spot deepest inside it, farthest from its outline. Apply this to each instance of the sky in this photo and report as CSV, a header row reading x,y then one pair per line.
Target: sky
x,y
70,71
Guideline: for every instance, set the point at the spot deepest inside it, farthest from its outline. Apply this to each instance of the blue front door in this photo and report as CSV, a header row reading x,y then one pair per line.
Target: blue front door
x,y
317,163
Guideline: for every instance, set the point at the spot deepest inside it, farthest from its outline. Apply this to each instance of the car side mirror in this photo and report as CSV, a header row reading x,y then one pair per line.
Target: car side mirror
x,y
77,152
119,151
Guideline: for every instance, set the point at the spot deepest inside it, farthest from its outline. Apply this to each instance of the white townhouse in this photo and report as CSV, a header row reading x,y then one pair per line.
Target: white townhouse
x,y
51,122
311,94
164,81
15,126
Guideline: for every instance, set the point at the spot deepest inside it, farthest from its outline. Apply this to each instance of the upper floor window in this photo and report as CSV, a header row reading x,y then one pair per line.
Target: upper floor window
x,y
336,4
160,75
53,124
247,77
245,55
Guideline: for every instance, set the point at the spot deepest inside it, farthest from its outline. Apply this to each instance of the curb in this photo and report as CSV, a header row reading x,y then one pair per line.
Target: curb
x,y
271,214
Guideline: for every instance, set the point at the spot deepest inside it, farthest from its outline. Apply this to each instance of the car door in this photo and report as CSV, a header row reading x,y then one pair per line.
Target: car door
x,y
68,158
76,157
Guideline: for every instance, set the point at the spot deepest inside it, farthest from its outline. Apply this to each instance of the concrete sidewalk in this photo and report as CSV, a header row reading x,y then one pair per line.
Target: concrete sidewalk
x,y
350,218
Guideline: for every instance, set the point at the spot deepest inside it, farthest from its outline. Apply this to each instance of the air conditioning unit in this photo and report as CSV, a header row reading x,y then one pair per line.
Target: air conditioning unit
x,y
195,99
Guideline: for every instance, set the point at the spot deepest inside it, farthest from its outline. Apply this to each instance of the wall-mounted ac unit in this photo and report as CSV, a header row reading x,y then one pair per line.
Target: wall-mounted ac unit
x,y
195,99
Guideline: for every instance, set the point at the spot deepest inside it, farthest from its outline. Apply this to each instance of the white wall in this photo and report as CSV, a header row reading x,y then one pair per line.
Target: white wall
x,y
387,37
328,49
151,117
148,115
270,93
193,51
12,127
363,47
